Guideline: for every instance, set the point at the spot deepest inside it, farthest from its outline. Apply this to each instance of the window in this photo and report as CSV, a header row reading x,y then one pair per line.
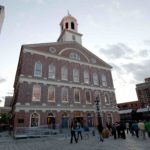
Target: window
x,y
95,79
74,56
51,94
104,81
75,75
66,25
72,25
88,97
52,71
76,96
64,73
86,77
38,69
34,120
20,120
36,94
64,94
106,98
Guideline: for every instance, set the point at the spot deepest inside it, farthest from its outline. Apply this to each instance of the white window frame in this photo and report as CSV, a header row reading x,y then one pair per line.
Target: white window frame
x,y
86,77
76,90
95,79
38,71
51,88
64,73
86,97
104,80
62,90
33,92
107,98
75,75
52,71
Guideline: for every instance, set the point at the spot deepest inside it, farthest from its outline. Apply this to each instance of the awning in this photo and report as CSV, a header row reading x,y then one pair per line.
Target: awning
x,y
125,111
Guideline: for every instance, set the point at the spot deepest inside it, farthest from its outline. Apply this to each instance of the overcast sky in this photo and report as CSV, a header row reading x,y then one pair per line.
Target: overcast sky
x,y
118,31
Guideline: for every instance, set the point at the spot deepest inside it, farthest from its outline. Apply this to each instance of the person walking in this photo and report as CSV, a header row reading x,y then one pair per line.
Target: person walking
x,y
141,127
73,134
127,127
114,131
100,129
147,127
79,130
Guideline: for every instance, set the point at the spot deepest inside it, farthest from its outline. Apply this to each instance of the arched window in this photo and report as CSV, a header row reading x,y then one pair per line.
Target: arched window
x,y
72,25
86,77
95,79
52,71
51,94
38,69
34,120
104,80
64,73
36,93
106,98
76,95
64,94
75,75
66,25
88,97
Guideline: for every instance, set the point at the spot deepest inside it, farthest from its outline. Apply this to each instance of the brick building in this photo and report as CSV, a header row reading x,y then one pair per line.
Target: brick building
x,y
129,105
58,81
143,93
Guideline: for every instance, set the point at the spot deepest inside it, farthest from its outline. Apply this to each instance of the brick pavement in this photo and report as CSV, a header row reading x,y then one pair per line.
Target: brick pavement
x,y
62,142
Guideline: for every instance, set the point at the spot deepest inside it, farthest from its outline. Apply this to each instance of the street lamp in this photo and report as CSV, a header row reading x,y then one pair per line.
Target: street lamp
x,y
98,111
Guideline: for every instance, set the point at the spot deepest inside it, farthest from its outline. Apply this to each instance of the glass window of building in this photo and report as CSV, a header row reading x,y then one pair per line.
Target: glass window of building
x,y
104,80
76,95
64,94
95,79
51,94
75,75
88,97
86,77
38,69
106,98
64,73
34,120
36,93
52,71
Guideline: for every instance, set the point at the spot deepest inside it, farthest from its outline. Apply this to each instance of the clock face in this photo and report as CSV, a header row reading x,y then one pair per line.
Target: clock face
x,y
52,50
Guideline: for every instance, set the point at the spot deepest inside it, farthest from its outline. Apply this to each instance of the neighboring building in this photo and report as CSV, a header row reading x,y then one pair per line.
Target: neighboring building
x,y
56,82
143,93
1,16
129,105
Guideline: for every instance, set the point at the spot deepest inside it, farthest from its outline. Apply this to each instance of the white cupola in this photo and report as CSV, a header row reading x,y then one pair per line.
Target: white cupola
x,y
69,30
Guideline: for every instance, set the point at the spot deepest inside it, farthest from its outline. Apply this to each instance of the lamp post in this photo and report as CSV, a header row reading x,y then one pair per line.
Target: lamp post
x,y
98,111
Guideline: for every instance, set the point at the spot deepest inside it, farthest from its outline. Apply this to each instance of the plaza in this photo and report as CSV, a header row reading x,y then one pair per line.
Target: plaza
x,y
62,142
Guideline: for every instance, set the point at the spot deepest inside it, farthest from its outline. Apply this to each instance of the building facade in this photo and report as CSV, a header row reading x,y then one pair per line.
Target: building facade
x,y
143,93
1,16
56,82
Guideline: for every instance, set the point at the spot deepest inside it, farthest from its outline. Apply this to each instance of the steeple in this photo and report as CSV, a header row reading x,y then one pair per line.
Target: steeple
x,y
69,30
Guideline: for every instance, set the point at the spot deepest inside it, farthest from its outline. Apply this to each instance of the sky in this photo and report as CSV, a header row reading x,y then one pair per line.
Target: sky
x,y
117,31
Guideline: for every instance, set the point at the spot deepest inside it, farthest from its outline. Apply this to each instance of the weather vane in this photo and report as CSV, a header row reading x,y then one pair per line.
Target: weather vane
x,y
68,12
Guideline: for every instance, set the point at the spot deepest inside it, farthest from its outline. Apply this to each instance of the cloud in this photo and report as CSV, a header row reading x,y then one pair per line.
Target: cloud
x,y
2,80
130,66
119,50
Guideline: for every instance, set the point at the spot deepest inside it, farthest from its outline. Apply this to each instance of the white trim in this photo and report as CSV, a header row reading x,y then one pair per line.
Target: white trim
x,y
38,117
59,83
63,58
75,50
47,108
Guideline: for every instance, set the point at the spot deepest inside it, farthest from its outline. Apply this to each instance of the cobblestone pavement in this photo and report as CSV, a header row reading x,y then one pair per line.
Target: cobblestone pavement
x,y
62,142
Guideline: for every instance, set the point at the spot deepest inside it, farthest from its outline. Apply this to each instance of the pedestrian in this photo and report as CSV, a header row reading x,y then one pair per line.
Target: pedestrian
x,y
100,129
114,131
141,127
147,127
127,127
79,130
135,128
73,134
